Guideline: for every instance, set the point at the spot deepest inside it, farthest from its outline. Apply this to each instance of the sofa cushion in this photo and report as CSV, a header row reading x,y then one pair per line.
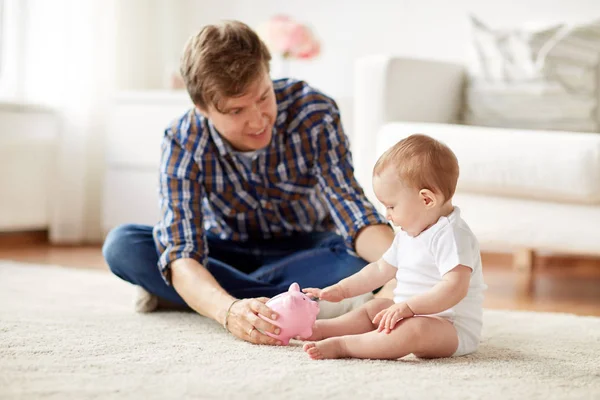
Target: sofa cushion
x,y
547,165
544,78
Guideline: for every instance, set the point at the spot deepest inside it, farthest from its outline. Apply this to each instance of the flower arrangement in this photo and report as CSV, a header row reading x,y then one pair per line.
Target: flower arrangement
x,y
289,39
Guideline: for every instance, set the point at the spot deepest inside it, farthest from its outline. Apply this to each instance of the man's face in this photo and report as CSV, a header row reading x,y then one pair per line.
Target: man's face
x,y
247,121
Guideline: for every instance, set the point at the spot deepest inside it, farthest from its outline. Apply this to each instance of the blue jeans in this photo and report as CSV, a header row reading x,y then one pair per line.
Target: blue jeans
x,y
243,269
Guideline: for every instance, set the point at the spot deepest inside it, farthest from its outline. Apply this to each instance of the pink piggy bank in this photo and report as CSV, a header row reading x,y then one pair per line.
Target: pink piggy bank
x,y
297,314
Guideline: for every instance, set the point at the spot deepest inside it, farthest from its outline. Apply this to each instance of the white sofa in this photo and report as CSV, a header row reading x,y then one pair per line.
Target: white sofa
x,y
522,190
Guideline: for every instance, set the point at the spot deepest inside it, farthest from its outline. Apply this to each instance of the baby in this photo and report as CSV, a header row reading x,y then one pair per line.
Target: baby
x,y
437,306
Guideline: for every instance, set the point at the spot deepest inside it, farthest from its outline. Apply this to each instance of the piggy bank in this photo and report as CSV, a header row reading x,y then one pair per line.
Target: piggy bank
x,y
297,314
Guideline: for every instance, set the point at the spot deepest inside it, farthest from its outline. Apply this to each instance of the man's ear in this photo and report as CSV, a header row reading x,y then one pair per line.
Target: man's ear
x,y
428,198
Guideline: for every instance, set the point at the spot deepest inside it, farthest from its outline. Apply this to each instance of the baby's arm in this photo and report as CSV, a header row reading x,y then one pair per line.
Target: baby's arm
x,y
452,289
446,294
372,276
455,252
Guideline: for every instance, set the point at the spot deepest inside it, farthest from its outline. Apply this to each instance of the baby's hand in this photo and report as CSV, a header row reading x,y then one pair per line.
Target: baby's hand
x,y
312,292
388,318
332,293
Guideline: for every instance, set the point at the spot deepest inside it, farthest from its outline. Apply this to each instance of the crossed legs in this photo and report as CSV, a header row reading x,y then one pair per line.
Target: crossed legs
x,y
353,335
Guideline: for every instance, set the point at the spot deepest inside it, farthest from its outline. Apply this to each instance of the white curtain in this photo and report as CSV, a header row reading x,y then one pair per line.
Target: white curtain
x,y
69,58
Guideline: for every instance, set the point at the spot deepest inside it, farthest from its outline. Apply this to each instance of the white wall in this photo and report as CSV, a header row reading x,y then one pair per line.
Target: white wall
x,y
435,29
151,35
153,32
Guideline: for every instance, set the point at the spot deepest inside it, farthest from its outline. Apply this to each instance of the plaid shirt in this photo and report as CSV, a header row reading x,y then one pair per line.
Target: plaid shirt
x,y
302,182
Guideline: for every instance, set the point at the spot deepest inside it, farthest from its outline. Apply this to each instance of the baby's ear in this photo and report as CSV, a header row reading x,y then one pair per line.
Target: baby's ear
x,y
428,198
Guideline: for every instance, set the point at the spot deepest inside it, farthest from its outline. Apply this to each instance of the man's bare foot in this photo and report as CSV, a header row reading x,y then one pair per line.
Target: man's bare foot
x,y
325,349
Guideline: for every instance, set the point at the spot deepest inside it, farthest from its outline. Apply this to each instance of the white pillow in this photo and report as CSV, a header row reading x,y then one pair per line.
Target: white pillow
x,y
535,78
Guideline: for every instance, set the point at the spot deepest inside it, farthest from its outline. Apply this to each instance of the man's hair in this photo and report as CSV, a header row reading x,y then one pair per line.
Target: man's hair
x,y
423,163
222,61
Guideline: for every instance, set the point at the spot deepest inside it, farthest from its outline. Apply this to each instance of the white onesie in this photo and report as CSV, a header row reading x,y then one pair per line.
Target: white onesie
x,y
424,259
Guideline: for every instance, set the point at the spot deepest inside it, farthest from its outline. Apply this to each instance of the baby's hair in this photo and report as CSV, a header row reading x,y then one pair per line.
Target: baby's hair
x,y
422,162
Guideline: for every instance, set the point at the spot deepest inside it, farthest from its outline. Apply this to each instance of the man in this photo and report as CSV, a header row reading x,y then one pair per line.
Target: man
x,y
256,189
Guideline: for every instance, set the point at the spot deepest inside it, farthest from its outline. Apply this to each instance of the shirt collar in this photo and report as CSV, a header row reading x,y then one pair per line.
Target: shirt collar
x,y
440,223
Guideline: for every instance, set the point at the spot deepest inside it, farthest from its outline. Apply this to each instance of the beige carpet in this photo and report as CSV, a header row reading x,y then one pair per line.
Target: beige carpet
x,y
72,334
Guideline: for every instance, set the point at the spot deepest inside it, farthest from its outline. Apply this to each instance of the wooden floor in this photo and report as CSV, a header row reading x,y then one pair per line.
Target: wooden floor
x,y
562,284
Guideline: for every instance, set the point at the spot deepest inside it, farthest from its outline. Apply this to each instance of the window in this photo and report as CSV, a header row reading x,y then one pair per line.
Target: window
x,y
2,36
11,35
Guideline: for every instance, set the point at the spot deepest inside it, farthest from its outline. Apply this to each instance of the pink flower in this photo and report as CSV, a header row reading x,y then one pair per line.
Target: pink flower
x,y
289,38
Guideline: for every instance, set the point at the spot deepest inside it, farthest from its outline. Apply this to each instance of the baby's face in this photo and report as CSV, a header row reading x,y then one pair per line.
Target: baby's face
x,y
405,206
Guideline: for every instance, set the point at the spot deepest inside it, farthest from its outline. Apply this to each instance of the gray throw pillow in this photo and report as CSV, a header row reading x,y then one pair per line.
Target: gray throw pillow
x,y
545,78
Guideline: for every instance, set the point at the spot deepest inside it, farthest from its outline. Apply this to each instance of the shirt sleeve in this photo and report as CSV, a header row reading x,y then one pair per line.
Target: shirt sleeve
x,y
348,205
179,233
391,255
450,249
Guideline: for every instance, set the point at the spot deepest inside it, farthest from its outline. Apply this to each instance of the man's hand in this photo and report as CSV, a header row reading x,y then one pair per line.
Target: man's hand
x,y
243,321
334,293
388,318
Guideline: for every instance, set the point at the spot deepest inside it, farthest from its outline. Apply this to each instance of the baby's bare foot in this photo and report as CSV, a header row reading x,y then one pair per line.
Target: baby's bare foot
x,y
328,348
